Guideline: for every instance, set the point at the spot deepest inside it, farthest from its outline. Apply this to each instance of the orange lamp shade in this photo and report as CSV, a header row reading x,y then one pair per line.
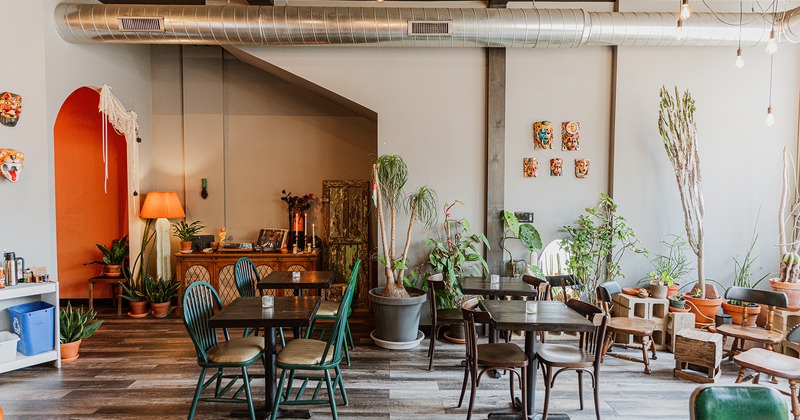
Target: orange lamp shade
x,y
162,204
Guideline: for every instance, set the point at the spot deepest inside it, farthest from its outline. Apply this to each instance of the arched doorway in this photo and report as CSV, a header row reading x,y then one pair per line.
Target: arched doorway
x,y
85,214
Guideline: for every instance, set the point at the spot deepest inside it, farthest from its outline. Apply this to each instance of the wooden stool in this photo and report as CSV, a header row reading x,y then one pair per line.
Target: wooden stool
x,y
116,286
774,364
699,351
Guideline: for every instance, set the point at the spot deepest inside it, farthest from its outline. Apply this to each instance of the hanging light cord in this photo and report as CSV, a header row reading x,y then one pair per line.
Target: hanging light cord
x,y
759,17
771,59
740,24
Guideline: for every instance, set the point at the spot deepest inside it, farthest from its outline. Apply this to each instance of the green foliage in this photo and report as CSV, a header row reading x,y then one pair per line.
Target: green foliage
x,y
186,232
132,293
77,324
116,254
161,290
456,256
527,234
598,241
670,267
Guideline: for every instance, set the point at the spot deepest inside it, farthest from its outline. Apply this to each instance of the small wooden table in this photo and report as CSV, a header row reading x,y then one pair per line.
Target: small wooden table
x,y
550,316
247,312
116,286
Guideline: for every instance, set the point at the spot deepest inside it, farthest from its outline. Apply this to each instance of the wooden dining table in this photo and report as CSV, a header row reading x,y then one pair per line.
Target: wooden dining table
x,y
506,286
246,312
549,316
316,280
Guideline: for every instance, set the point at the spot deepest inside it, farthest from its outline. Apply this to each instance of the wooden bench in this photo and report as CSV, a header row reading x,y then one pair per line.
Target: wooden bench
x,y
116,286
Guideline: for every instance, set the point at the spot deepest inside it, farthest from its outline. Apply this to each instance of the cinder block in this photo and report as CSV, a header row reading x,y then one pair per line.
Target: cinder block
x,y
677,321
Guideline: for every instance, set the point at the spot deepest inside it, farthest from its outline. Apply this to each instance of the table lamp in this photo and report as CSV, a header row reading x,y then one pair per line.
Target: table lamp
x,y
162,205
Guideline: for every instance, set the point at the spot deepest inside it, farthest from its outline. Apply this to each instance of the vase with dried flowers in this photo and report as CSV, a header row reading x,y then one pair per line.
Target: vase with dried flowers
x,y
298,212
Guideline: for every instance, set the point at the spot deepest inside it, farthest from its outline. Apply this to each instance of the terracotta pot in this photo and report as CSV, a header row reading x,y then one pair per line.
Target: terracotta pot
x,y
138,308
792,291
160,310
658,291
677,304
704,310
455,334
69,351
186,246
673,290
735,311
112,270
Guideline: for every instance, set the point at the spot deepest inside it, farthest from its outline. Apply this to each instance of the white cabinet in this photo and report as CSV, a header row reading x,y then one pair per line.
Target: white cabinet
x,y
25,293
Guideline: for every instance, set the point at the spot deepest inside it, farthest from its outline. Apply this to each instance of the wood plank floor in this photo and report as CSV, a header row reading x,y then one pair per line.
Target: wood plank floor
x,y
145,368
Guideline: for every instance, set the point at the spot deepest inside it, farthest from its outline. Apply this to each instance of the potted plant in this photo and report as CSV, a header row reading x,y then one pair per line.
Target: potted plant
x,y
669,268
160,293
529,236
677,304
598,240
113,257
186,232
788,280
396,309
136,295
457,255
75,325
742,277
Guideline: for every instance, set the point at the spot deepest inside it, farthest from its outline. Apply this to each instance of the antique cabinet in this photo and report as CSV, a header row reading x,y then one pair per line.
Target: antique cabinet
x,y
217,268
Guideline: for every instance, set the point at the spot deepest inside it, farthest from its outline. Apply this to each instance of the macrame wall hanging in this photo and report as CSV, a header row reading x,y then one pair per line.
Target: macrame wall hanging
x,y
124,122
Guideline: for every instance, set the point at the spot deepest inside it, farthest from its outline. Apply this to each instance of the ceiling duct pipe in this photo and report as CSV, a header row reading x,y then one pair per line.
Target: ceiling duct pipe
x,y
407,27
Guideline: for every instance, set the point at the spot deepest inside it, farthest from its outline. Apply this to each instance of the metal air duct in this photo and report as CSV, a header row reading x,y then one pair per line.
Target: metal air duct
x,y
389,26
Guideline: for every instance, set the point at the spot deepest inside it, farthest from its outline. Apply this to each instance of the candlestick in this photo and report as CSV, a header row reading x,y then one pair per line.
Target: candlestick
x,y
305,224
314,235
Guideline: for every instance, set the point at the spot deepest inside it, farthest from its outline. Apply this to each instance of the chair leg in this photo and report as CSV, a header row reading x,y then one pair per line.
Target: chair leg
x,y
464,383
289,386
793,396
277,402
432,347
346,352
548,380
596,388
524,390
283,339
220,373
511,386
740,377
653,349
341,385
247,393
580,387
197,393
331,396
472,386
349,335
646,343
607,345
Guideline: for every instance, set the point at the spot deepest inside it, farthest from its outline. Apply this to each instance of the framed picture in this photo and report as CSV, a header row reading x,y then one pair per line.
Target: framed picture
x,y
272,239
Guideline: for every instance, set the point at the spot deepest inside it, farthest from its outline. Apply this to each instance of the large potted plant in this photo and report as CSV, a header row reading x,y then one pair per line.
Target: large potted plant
x,y
160,293
679,136
456,255
74,326
113,257
669,268
530,238
396,309
788,280
598,240
186,232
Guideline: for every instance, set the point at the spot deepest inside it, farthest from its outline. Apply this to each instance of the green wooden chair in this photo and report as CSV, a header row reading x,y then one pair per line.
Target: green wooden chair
x,y
246,277
722,402
329,311
200,302
307,354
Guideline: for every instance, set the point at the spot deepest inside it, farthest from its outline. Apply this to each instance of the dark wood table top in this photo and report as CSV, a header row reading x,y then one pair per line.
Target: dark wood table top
x,y
247,312
308,280
550,316
508,286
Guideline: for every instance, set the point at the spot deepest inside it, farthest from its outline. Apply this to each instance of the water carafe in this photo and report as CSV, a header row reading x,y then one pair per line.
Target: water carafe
x,y
13,267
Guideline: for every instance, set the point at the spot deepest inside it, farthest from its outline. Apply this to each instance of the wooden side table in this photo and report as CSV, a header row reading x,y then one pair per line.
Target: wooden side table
x,y
116,285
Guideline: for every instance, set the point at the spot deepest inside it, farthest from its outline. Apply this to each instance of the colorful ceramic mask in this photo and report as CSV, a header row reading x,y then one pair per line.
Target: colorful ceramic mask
x,y
530,167
581,168
555,166
10,108
570,135
11,163
543,135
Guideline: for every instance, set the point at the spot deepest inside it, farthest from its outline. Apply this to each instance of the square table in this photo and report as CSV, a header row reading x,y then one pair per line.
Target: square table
x,y
308,280
507,286
550,316
247,312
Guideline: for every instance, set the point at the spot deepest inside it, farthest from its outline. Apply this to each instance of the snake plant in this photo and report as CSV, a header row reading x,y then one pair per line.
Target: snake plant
x,y
77,324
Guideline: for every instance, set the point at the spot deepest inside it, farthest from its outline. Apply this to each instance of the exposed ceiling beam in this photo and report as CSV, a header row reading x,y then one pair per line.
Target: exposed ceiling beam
x,y
491,3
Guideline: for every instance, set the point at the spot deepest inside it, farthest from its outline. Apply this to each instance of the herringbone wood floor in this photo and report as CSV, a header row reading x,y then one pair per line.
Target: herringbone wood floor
x,y
146,368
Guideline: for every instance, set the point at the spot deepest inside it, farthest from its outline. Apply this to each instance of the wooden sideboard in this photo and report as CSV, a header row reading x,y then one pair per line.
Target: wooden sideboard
x,y
217,268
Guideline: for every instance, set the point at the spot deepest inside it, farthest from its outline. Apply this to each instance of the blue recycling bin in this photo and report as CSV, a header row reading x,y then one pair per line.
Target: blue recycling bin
x,y
34,324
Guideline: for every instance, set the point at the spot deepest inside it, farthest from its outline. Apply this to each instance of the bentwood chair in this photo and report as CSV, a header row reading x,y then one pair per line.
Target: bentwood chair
x,y
743,332
439,317
200,303
543,287
723,402
305,354
329,310
637,327
493,356
563,283
246,277
584,358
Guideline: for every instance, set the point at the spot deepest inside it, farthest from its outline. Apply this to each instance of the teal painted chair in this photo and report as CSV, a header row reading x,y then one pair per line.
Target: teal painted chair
x,y
329,311
307,354
200,303
246,277
724,402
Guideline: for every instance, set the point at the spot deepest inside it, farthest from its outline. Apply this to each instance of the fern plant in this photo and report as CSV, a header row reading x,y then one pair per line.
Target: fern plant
x,y
77,324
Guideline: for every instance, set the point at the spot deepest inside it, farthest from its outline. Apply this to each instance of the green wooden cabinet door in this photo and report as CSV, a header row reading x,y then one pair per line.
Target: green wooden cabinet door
x,y
347,227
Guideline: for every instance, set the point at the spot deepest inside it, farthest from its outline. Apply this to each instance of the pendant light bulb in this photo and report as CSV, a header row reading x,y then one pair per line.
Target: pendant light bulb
x,y
770,121
679,34
685,11
739,59
772,44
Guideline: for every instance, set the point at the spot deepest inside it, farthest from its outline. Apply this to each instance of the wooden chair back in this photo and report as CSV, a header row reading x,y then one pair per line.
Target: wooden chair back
x,y
591,342
200,303
472,316
764,297
336,340
435,282
246,277
605,294
794,334
563,281
541,286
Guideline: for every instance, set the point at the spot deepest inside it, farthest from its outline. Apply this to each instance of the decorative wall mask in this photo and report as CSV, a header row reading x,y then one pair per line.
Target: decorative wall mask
x,y
530,167
10,108
543,135
555,166
581,168
11,163
570,135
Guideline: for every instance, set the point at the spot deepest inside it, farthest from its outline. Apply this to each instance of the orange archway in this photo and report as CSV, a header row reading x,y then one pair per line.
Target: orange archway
x,y
85,214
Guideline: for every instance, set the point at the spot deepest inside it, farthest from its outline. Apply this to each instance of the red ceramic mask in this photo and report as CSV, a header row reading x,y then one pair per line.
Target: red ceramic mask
x,y
10,108
11,163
